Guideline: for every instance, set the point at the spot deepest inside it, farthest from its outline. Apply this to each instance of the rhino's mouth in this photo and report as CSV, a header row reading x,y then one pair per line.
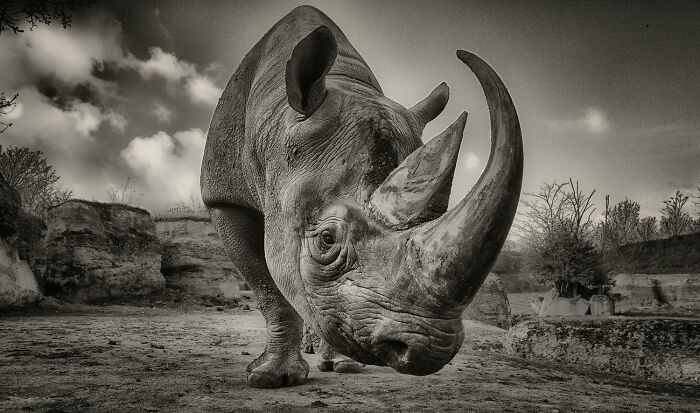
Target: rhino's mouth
x,y
407,346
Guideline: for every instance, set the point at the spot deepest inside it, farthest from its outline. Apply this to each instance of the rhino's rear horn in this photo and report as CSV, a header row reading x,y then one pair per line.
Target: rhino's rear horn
x,y
430,107
418,190
306,72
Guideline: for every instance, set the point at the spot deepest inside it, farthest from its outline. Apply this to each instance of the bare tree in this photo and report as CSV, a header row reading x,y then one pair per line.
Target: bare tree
x,y
580,210
35,12
556,228
675,221
6,107
35,180
544,211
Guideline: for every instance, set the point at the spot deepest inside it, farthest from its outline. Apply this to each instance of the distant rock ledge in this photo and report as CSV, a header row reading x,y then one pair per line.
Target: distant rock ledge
x,y
654,348
194,258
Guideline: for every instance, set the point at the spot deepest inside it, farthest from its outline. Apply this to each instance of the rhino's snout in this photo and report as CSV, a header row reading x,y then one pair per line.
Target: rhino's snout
x,y
410,352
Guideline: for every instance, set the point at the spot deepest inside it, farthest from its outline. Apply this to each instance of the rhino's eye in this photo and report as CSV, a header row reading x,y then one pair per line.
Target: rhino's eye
x,y
327,238
328,244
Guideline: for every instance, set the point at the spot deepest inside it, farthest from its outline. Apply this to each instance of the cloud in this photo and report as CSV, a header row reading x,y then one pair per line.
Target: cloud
x,y
74,63
594,121
69,137
202,90
168,165
70,57
472,161
36,119
199,87
165,65
162,112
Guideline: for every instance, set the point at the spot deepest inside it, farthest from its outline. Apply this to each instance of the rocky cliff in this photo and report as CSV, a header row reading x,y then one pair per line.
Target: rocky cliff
x,y
194,258
18,286
96,250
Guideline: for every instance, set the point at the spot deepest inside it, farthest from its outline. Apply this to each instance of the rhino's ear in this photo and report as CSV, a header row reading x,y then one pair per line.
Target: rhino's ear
x,y
306,71
430,107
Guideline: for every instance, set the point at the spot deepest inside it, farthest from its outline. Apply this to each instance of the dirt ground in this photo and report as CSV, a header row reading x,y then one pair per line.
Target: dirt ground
x,y
141,359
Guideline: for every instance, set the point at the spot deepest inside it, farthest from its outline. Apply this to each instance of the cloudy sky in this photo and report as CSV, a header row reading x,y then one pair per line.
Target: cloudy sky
x,y
608,93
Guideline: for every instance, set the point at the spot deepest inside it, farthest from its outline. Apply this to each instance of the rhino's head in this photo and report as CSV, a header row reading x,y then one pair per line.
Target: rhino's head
x,y
357,233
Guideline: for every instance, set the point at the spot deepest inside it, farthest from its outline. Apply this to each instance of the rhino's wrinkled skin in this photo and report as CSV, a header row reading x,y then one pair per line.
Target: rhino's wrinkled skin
x,y
332,208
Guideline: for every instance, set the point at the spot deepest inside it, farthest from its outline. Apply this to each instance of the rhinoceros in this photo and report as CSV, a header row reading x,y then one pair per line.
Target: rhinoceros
x,y
336,213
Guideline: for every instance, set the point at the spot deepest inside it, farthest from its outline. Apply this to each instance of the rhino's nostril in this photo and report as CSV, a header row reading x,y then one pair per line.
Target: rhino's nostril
x,y
399,348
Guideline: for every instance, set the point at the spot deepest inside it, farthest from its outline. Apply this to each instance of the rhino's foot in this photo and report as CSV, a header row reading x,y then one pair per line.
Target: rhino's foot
x,y
347,365
271,371
325,365
342,365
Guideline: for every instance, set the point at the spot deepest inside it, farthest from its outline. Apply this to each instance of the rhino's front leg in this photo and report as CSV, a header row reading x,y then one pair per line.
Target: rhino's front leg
x,y
282,363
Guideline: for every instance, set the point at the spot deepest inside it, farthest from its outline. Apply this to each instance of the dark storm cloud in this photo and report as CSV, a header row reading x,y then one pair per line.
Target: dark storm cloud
x,y
63,95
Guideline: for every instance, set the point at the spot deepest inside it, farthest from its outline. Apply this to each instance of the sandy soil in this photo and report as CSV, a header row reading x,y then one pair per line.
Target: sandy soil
x,y
124,358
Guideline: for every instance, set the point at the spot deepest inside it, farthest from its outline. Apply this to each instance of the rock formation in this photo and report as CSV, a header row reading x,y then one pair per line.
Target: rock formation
x,y
96,250
662,349
194,258
601,305
552,305
653,290
490,305
18,286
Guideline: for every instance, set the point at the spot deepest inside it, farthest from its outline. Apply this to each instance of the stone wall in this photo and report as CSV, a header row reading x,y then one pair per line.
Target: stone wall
x,y
194,258
651,290
490,305
96,250
654,348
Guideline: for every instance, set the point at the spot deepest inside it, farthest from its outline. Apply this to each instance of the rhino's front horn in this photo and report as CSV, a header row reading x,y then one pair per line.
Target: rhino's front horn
x,y
419,188
454,253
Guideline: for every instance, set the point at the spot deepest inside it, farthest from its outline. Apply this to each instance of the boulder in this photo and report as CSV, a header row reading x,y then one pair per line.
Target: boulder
x,y
535,304
601,305
194,258
549,296
96,251
621,305
565,307
18,286
552,305
490,305
655,348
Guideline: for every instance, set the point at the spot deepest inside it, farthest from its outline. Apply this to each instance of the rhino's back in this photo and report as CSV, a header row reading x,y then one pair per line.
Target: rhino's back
x,y
233,168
